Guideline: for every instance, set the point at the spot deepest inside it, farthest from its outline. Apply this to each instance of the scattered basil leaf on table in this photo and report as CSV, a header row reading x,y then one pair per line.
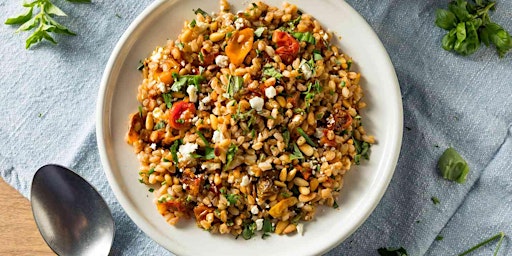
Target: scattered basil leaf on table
x,y
392,251
452,166
39,15
499,236
468,25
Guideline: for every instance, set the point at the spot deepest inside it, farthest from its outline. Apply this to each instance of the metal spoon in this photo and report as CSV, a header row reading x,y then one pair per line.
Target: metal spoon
x,y
71,215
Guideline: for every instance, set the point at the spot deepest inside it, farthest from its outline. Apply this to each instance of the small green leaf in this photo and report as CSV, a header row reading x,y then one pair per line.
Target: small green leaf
x,y
445,19
20,19
305,37
259,31
269,70
199,10
308,139
53,9
461,32
30,24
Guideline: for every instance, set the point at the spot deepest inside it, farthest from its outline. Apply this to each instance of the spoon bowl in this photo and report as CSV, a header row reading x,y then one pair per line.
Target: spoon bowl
x,y
71,215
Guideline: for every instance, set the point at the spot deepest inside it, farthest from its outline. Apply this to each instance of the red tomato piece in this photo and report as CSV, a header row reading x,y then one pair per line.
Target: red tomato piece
x,y
287,46
181,113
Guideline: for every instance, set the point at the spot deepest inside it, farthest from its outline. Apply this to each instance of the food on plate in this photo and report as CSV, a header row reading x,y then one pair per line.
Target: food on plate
x,y
248,121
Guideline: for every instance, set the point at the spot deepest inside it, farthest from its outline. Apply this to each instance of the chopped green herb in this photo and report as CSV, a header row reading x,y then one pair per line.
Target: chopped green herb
x,y
192,23
141,66
151,190
349,64
259,31
392,251
267,228
313,89
181,82
308,139
305,37
254,5
180,46
296,153
164,182
174,151
285,195
258,53
201,57
151,171
286,137
295,220
232,199
167,100
343,84
223,191
40,115
317,55
435,200
231,154
248,230
335,205
209,153
269,70
141,181
165,160
500,236
235,83
201,136
229,34
452,166
140,111
159,126
200,11
362,150
118,16
180,121
439,238
299,111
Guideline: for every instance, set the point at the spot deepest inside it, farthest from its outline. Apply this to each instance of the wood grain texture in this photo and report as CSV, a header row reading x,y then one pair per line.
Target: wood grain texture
x,y
18,231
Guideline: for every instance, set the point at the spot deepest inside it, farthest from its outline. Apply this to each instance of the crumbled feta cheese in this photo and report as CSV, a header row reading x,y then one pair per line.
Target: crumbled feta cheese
x,y
323,159
255,210
257,103
158,113
187,149
300,204
245,181
192,93
217,136
319,132
222,61
201,25
194,119
153,146
259,224
239,23
270,92
306,70
183,63
156,57
300,229
184,186
202,106
206,99
161,87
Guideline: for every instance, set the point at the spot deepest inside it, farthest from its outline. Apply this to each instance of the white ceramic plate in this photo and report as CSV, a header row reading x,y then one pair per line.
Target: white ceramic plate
x,y
364,185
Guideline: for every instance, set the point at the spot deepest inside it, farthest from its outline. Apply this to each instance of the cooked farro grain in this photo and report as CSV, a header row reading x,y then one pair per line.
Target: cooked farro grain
x,y
248,121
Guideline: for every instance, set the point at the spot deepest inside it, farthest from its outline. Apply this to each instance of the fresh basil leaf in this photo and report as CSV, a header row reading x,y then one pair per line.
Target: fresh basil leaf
x,y
500,38
297,154
305,37
199,10
30,24
20,19
452,166
209,153
174,151
231,154
232,199
50,8
445,19
36,37
248,230
235,83
167,100
484,36
269,70
60,29
461,32
459,8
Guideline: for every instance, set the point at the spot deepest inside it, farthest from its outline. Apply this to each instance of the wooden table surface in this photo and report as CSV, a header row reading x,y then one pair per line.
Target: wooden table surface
x,y
18,231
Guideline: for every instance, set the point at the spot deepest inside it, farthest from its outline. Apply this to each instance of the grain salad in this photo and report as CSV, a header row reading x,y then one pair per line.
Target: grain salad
x,y
248,121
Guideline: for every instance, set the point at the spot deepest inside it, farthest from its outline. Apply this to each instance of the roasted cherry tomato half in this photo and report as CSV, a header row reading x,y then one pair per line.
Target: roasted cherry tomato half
x,y
181,113
287,46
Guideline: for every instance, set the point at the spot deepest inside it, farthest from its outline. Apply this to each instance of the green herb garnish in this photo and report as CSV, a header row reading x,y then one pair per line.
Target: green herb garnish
x,y
231,154
151,190
308,139
335,205
259,31
435,200
267,228
305,37
469,25
199,10
362,150
235,83
159,126
140,111
167,100
232,198
500,236
151,171
174,151
286,137
192,24
317,55
392,251
269,70
313,89
439,238
452,166
141,66
296,153
248,230
42,21
181,82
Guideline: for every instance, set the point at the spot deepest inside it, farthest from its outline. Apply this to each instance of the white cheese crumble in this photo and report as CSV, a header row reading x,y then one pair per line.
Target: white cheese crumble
x,y
222,61
300,229
206,99
156,57
259,224
319,132
306,70
255,210
192,93
270,92
153,146
161,87
257,103
245,181
239,23
186,149
158,113
217,136
300,204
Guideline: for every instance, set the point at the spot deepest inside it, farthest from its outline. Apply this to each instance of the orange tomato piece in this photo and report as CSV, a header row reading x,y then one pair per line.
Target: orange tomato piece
x,y
239,45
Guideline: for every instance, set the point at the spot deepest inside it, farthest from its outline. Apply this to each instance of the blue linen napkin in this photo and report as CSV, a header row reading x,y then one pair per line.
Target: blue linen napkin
x,y
48,104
